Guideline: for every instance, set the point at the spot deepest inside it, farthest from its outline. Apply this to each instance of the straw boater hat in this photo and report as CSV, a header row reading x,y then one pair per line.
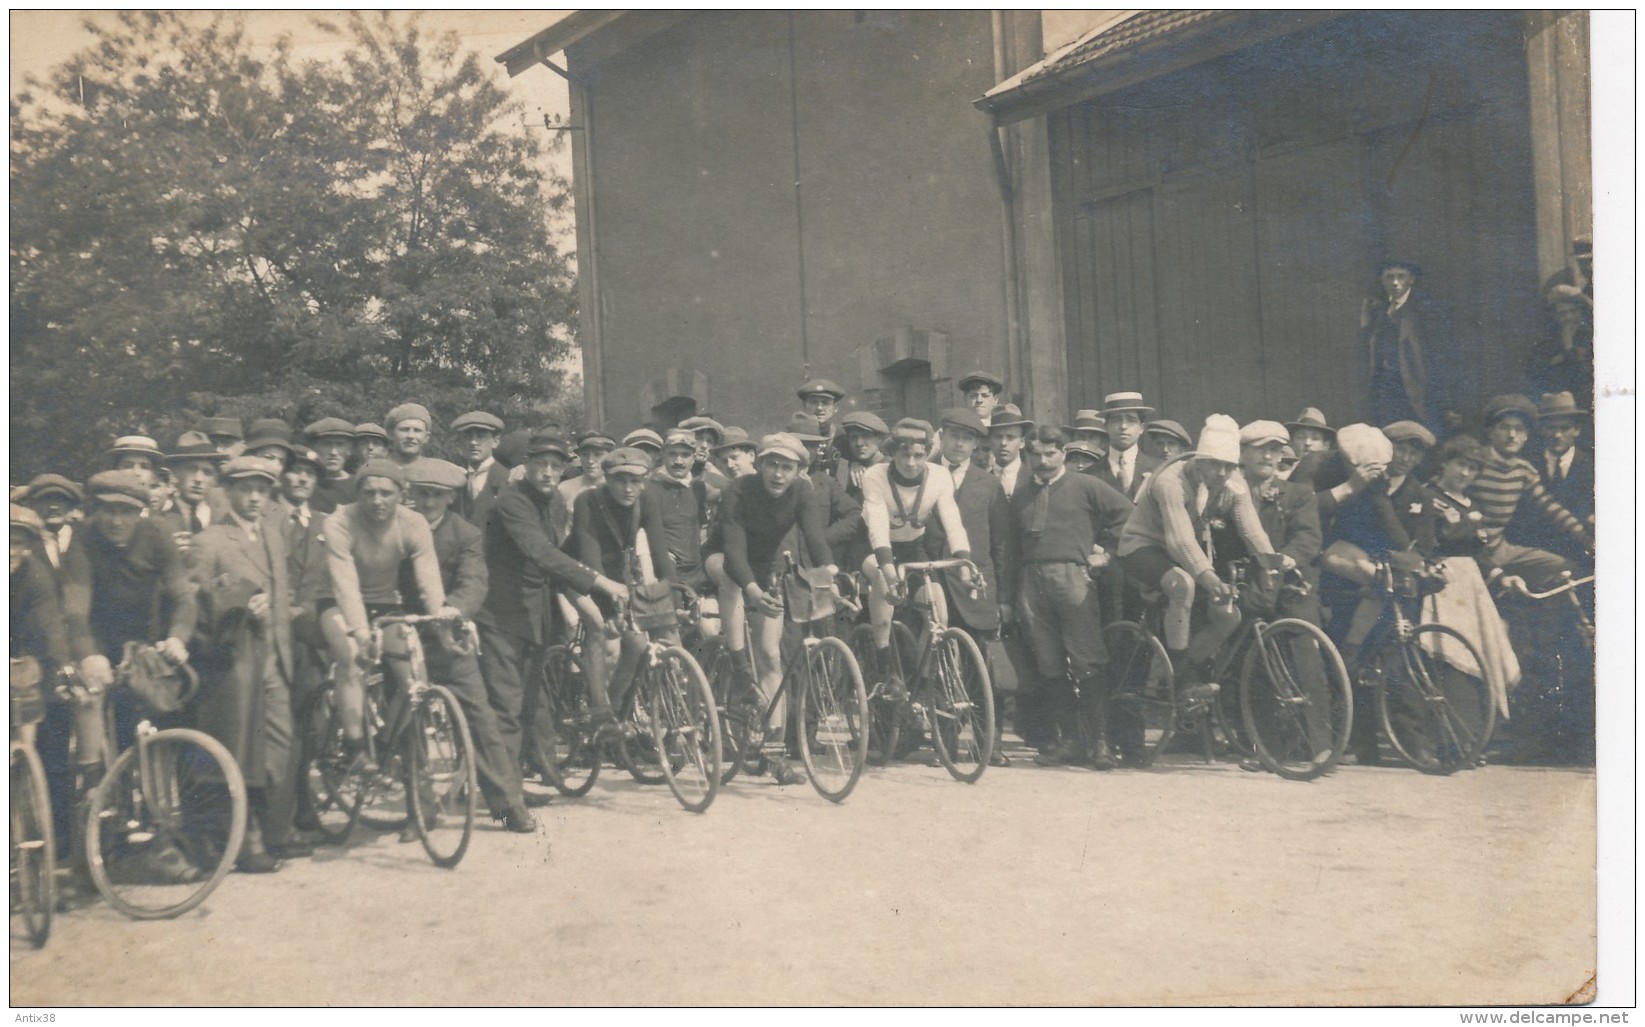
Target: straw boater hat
x,y
1125,402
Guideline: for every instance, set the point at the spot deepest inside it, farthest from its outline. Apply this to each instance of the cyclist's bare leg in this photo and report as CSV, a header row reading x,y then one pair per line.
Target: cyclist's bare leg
x,y
595,652
767,631
879,603
733,620
348,686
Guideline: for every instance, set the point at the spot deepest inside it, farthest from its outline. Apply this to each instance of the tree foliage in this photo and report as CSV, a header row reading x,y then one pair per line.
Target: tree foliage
x,y
203,226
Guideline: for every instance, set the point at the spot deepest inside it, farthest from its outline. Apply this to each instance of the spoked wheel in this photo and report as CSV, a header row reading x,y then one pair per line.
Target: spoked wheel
x,y
331,793
165,824
1434,703
716,662
442,788
962,706
833,717
571,758
685,728
383,804
1295,700
890,733
1142,714
33,847
639,748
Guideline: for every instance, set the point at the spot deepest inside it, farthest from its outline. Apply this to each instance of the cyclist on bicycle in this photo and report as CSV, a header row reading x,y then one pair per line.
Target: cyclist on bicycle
x,y
899,499
681,500
1166,545
366,542
37,634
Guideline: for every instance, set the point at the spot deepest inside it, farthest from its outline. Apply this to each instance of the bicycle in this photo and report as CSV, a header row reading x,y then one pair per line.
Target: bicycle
x,y
572,758
1295,700
164,825
33,847
948,694
1433,701
1563,708
829,719
419,741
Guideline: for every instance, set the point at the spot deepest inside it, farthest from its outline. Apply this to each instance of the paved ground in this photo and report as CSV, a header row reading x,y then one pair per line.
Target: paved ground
x,y
1190,884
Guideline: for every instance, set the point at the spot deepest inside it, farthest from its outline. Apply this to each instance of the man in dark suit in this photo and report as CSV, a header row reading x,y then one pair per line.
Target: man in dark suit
x,y
477,434
432,485
244,654
1567,473
1404,333
986,514
1127,467
845,525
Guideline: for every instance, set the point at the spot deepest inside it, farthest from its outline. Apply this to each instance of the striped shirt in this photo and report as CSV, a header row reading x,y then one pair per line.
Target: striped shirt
x,y
1498,490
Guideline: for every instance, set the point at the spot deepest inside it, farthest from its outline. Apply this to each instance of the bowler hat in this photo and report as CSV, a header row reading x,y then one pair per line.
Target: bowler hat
x,y
820,387
328,426
1125,402
478,419
1498,407
1169,428
52,484
224,426
1559,404
431,473
804,427
123,487
976,378
1007,415
963,417
1311,417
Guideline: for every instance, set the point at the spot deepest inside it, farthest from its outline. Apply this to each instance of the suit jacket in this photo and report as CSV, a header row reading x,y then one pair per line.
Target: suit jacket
x,y
986,515
306,568
460,548
1379,522
331,493
1575,492
1146,465
476,510
844,520
238,656
1289,513
1420,330
526,563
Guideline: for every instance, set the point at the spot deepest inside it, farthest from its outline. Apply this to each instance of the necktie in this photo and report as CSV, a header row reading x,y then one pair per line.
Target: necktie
x,y
298,519
251,529
196,525
1042,510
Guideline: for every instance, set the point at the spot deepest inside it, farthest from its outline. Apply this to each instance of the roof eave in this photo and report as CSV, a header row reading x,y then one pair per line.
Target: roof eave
x,y
568,31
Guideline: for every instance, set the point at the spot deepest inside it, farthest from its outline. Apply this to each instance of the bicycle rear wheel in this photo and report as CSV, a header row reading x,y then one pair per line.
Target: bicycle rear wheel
x,y
638,749
1142,713
685,728
1434,703
33,847
383,803
571,759
157,847
441,777
833,717
331,793
962,706
1295,700
716,661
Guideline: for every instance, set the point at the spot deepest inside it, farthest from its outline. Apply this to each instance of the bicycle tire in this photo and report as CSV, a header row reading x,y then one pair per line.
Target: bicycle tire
x,y
1142,712
884,723
332,794
638,749
571,760
833,718
962,706
1438,718
1298,730
198,816
685,728
383,803
715,659
441,785
33,844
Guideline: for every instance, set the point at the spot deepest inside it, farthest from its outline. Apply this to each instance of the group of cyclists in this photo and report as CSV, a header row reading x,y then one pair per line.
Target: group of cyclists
x,y
264,556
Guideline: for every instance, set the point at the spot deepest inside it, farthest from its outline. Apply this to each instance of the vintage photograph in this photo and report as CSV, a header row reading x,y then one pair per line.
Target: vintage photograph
x,y
814,508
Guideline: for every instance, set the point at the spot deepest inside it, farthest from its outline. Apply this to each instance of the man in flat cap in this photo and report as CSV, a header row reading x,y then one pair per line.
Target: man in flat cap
x,y
408,425
433,485
983,391
820,397
683,501
844,512
225,433
53,498
370,443
859,439
592,446
1082,457
477,435
244,654
332,440
1165,439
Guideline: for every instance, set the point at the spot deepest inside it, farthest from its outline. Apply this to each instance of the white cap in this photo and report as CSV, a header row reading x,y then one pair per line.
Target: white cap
x,y
1219,439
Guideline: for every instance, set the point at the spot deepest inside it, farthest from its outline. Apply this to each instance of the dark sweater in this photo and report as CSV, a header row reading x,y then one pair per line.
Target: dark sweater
x,y
602,533
1084,511
753,523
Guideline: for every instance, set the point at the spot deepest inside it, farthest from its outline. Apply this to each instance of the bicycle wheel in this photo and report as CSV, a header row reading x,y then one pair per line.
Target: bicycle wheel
x,y
715,660
962,706
1434,703
441,778
639,748
1142,713
330,792
33,848
833,714
884,724
1295,700
685,728
158,842
383,804
571,759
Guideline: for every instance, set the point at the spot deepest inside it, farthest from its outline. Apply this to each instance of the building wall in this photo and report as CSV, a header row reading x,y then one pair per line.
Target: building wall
x,y
703,234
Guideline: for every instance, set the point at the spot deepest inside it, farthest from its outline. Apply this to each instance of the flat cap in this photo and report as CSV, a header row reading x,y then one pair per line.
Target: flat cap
x,y
975,378
542,442
1409,431
269,427
381,469
140,444
23,517
597,439
1173,429
863,420
784,444
370,430
734,438
227,426
126,487
913,429
1260,433
964,418
50,485
680,437
820,387
1007,415
1084,448
409,412
250,467
431,473
641,437
627,460
804,427
326,426
304,455
478,419
1501,406
702,423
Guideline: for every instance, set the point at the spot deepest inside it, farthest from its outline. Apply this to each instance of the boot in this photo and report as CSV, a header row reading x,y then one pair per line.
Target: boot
x,y
1096,702
254,857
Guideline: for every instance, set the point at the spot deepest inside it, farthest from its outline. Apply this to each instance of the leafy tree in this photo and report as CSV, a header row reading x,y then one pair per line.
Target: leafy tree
x,y
199,226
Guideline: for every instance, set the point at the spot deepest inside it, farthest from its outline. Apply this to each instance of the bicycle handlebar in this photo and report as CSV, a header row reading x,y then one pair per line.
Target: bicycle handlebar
x,y
1569,585
466,637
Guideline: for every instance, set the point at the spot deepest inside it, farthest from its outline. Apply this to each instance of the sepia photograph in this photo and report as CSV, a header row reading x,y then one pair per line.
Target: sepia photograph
x,y
822,508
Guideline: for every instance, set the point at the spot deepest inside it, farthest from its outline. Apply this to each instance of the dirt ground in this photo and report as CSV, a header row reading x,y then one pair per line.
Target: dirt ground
x,y
1190,884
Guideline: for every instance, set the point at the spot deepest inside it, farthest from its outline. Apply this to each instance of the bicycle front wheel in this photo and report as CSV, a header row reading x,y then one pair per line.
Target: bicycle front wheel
x,y
1434,703
1142,712
329,791
962,706
33,847
685,728
571,760
639,748
833,718
1295,700
716,662
440,779
164,826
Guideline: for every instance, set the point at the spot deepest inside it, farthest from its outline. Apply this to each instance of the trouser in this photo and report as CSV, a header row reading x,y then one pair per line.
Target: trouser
x,y
498,774
1190,650
502,665
1058,608
279,802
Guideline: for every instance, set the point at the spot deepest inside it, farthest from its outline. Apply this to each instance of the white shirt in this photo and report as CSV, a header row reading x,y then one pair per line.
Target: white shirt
x,y
958,473
1007,474
1123,462
1560,466
477,477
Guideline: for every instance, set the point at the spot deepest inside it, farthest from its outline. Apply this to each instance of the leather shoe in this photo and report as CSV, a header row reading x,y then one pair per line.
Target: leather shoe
x,y
294,848
1063,756
257,863
537,800
1102,760
999,759
519,820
